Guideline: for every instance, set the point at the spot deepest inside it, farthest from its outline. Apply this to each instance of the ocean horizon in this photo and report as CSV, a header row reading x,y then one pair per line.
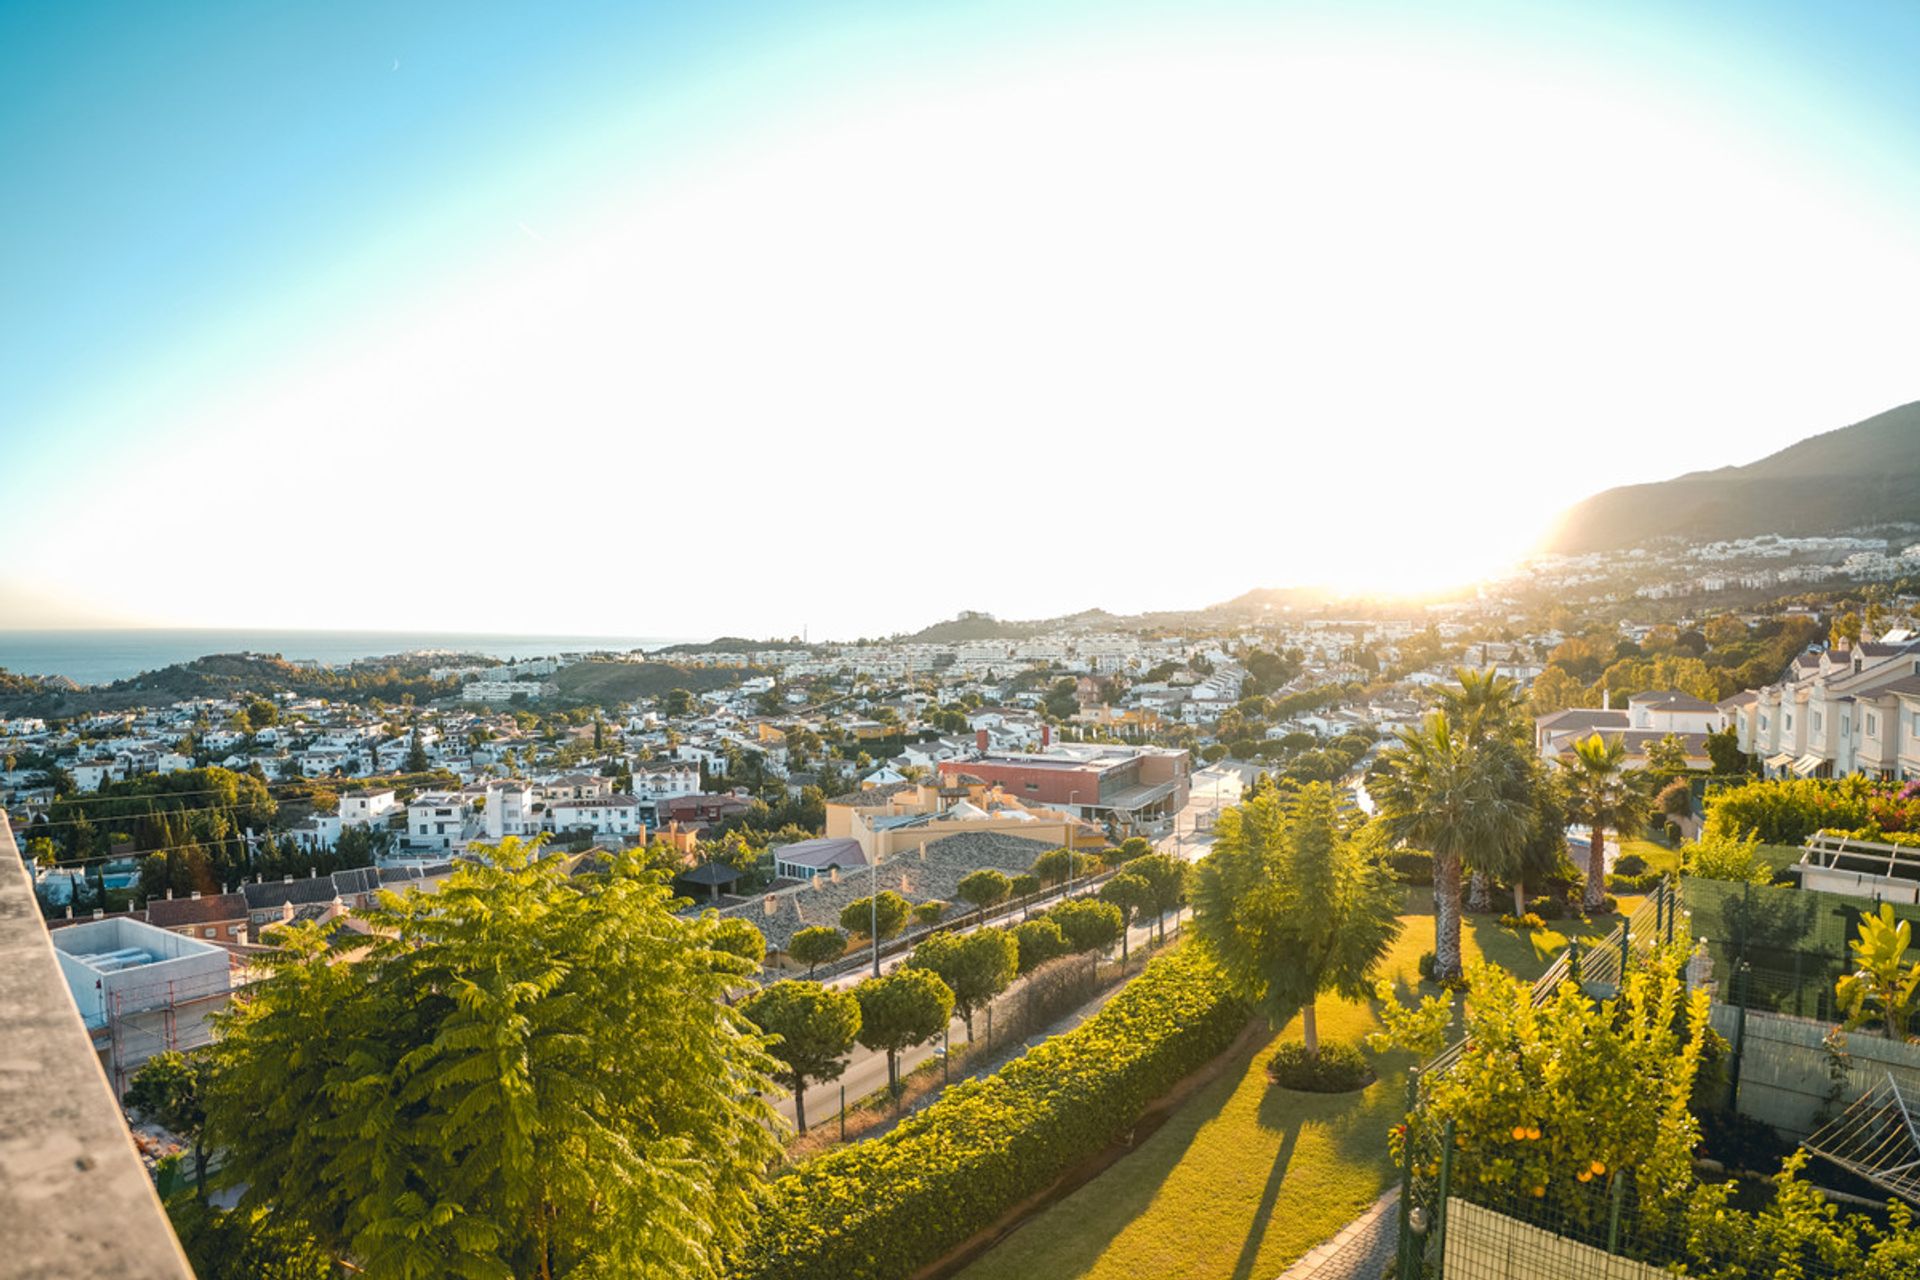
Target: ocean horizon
x,y
103,655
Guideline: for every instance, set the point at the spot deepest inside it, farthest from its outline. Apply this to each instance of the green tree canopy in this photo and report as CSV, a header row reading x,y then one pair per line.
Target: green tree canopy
x,y
817,945
1294,901
1038,941
1132,895
977,966
527,1074
170,1088
907,1007
814,1028
1610,796
890,912
984,888
1089,924
1167,876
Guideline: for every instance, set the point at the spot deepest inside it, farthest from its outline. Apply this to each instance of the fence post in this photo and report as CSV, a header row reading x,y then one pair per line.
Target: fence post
x,y
1573,961
1673,904
1408,1269
843,1113
1613,1220
1440,1203
1742,980
1659,910
1626,928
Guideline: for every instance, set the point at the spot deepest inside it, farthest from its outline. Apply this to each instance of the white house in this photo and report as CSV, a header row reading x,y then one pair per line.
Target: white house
x,y
603,816
1849,710
358,808
437,820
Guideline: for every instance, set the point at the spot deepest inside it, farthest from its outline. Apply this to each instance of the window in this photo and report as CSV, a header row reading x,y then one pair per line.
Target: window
x,y
1873,725
1789,721
209,933
1816,722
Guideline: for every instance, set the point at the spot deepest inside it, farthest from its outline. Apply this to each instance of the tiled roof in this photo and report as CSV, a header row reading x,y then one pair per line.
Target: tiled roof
x,y
171,913
873,797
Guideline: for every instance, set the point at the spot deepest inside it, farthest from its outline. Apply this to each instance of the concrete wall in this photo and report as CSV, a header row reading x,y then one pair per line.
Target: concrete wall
x,y
1484,1245
75,1201
1784,1069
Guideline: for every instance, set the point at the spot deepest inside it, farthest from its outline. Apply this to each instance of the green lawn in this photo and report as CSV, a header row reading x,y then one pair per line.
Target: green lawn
x,y
1661,858
1244,1178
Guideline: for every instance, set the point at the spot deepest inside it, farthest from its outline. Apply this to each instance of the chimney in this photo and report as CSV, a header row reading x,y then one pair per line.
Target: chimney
x,y
980,736
196,895
98,913
169,895
1606,699
286,879
1046,736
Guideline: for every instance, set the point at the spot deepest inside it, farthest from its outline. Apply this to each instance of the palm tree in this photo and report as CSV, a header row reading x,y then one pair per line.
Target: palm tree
x,y
1485,707
1454,797
1602,789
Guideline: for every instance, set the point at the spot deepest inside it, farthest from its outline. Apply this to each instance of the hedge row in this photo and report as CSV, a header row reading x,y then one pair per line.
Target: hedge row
x,y
882,1209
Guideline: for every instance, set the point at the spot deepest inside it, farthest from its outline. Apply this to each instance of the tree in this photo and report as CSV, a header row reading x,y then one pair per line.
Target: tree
x,y
1166,875
1038,941
877,921
929,912
817,945
1668,755
1132,895
907,1007
527,1073
1845,631
740,938
977,966
416,761
170,1088
1024,886
677,703
814,1028
1055,866
1089,924
984,888
1441,792
1294,901
1555,690
42,852
1723,748
1609,796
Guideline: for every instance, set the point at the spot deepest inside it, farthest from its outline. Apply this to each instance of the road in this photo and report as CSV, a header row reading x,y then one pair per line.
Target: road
x,y
1213,788
866,1071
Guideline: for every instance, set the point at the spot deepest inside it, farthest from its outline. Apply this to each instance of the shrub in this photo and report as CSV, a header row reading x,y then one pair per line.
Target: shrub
x,y
1338,1068
1723,857
1427,965
1788,810
892,1205
1630,864
1525,922
1547,906
1411,866
1635,884
1675,799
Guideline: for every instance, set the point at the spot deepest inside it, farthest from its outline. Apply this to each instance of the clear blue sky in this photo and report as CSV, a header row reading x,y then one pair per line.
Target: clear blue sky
x,y
347,276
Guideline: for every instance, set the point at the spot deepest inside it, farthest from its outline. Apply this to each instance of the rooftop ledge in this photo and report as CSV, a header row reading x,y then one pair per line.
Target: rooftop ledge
x,y
75,1201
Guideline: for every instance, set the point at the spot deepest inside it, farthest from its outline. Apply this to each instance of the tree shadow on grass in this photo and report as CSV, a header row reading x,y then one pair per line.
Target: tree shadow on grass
x,y
1276,1177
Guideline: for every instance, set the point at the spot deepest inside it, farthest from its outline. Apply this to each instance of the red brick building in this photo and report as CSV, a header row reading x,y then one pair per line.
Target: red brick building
x,y
1132,787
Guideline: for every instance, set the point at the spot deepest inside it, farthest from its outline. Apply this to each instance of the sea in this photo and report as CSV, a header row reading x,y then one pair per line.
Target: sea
x,y
103,656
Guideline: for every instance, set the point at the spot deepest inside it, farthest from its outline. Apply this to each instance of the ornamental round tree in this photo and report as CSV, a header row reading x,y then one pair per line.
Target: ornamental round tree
x,y
907,1007
1038,941
817,945
814,1029
1132,895
876,920
1167,876
1089,924
526,1073
1295,900
977,966
984,888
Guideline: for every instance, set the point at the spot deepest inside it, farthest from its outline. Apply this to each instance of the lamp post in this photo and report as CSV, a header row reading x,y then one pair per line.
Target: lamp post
x,y
873,902
1073,841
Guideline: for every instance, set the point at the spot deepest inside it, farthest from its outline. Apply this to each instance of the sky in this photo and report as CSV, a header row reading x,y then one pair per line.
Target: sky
x,y
749,318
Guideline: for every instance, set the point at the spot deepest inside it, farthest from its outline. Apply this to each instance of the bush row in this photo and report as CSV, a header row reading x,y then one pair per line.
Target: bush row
x,y
887,1207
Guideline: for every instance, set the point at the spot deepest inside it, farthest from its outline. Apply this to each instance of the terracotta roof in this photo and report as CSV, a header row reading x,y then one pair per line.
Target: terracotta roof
x,y
171,913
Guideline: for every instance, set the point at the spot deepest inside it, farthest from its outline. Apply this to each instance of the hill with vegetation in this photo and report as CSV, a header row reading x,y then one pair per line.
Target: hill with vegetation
x,y
1858,477
610,684
228,675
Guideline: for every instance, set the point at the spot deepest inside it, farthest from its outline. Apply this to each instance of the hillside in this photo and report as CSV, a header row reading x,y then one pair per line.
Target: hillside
x,y
612,683
1860,476
225,675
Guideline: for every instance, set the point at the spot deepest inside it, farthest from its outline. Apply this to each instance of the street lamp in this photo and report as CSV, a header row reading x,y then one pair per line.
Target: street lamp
x,y
1073,841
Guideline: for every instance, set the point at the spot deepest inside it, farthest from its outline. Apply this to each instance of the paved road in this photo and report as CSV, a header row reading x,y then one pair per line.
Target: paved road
x,y
866,1071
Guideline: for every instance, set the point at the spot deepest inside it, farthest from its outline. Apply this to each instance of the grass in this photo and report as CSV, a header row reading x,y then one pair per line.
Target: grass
x,y
1660,858
1245,1178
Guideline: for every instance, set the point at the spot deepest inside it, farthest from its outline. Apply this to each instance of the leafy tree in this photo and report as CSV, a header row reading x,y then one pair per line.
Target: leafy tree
x,y
977,966
985,888
1611,797
815,1028
1089,924
1024,885
1132,895
245,1245
1668,755
1166,875
817,945
1723,748
170,1088
928,913
1294,901
1037,942
527,1073
879,920
1055,865
416,754
907,1007
1555,690
740,938
678,703
42,852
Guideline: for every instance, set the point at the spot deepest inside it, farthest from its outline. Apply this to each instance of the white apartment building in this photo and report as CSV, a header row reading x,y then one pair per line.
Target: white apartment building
x,y
603,816
438,820
358,808
657,780
509,810
1854,710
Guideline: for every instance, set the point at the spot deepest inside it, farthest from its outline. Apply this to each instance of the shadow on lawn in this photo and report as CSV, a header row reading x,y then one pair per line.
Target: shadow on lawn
x,y
1250,1251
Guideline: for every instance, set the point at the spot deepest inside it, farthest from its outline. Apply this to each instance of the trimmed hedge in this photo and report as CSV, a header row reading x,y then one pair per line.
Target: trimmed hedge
x,y
1339,1068
884,1208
